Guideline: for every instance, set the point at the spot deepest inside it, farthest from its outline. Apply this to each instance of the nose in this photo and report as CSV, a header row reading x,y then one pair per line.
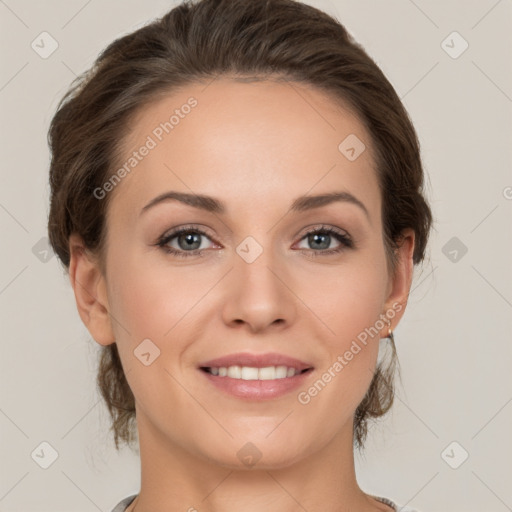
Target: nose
x,y
258,295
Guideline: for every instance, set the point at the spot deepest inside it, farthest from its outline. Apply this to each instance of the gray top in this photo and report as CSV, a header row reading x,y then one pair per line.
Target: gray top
x,y
124,504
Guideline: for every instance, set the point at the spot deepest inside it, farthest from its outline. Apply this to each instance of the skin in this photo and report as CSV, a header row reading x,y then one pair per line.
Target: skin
x,y
255,147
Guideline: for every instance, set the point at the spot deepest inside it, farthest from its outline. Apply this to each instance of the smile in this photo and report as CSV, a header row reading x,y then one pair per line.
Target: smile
x,y
253,373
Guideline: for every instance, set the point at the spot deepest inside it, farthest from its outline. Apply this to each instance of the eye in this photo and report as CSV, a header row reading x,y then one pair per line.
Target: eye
x,y
184,241
318,241
188,241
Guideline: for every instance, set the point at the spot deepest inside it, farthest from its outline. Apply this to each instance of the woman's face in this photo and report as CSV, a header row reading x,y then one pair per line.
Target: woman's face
x,y
249,275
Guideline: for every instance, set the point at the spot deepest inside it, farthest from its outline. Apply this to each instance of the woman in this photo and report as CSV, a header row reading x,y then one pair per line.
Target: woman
x,y
236,192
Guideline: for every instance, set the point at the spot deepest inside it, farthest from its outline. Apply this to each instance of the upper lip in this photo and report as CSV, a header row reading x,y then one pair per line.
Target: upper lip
x,y
256,361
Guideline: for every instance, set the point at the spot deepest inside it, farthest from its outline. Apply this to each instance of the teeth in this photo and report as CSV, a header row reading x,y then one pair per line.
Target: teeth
x,y
251,373
281,372
235,372
248,373
267,373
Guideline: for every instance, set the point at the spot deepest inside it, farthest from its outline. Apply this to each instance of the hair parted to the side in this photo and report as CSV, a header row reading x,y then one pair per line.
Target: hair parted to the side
x,y
199,41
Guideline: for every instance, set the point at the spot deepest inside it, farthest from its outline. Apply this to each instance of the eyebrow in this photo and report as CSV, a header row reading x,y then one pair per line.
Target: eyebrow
x,y
213,205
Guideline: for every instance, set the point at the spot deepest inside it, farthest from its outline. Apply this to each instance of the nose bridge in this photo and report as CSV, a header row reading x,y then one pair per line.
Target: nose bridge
x,y
257,295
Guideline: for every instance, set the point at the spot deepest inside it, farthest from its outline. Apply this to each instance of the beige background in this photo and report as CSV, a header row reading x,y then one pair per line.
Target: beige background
x,y
454,342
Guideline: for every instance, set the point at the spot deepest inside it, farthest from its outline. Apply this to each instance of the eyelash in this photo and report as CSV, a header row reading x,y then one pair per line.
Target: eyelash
x,y
345,241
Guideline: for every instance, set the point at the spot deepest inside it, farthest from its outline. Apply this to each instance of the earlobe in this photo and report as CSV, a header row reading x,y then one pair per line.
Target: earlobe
x,y
90,291
396,301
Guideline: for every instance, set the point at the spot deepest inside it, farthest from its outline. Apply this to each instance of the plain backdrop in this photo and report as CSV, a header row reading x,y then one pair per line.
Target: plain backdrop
x,y
446,445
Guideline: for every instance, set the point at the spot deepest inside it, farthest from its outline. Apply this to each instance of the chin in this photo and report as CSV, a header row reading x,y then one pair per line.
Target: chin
x,y
255,455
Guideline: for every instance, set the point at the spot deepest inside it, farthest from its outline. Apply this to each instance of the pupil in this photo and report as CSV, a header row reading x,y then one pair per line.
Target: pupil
x,y
190,239
317,238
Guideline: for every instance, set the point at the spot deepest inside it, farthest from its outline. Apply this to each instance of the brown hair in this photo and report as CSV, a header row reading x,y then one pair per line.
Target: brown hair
x,y
198,41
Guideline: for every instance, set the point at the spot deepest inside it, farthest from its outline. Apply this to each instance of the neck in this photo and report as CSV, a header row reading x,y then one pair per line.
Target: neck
x,y
174,479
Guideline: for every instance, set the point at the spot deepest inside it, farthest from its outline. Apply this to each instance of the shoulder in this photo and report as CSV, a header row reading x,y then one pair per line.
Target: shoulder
x,y
124,504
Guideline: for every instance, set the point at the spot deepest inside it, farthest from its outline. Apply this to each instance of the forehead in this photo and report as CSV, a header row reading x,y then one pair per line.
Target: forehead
x,y
260,140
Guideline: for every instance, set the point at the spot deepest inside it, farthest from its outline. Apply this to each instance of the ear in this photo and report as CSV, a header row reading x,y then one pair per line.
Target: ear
x,y
90,291
400,284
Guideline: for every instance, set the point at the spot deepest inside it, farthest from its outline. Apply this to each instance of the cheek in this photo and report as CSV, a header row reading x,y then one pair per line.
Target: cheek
x,y
150,299
349,307
349,301
152,303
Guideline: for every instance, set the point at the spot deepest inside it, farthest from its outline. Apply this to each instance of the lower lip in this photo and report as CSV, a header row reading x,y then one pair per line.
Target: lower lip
x,y
257,389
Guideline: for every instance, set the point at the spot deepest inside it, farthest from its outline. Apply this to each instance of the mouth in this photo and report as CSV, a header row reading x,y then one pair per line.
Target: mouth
x,y
256,377
253,372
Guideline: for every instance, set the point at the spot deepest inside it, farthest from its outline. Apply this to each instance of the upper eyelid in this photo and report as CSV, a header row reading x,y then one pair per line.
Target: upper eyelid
x,y
186,228
324,227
